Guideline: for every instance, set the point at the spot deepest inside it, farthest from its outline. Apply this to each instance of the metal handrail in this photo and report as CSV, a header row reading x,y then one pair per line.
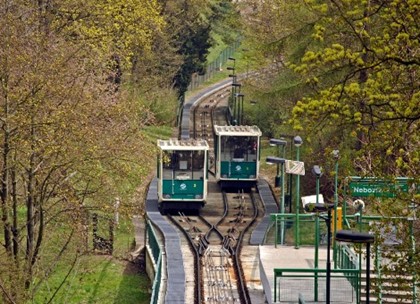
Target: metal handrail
x,y
311,273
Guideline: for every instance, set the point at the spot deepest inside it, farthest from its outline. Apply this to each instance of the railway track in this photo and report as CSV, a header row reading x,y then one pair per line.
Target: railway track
x,y
210,111
207,266
216,237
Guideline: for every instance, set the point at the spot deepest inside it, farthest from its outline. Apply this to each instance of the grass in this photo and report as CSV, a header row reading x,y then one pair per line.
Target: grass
x,y
100,278
158,132
103,278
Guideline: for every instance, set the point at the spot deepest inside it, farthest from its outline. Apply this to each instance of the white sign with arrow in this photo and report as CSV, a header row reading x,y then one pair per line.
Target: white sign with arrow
x,y
295,167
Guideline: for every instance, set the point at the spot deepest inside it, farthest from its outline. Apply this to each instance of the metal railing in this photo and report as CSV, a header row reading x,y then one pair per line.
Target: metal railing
x,y
157,281
311,286
345,258
152,242
156,254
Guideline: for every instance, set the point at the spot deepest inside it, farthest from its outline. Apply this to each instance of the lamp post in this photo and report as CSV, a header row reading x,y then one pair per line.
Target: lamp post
x,y
359,238
336,155
316,170
236,89
318,208
281,161
274,142
240,105
233,75
297,141
242,109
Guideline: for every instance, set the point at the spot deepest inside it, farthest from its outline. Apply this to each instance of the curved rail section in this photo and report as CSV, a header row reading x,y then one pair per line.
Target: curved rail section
x,y
175,285
218,273
185,127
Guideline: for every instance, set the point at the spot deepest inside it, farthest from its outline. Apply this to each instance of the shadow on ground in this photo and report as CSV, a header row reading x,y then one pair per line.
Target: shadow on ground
x,y
135,285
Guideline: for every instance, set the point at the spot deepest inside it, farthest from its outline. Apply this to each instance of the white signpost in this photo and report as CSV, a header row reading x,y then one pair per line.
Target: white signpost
x,y
295,167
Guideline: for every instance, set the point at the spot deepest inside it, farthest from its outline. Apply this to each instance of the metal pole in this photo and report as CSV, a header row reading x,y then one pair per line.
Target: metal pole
x,y
297,240
317,191
242,110
335,212
282,204
234,108
368,273
316,256
276,234
413,252
316,241
329,257
345,204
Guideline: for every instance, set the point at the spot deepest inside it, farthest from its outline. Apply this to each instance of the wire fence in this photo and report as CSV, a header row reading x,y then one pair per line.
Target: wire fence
x,y
213,67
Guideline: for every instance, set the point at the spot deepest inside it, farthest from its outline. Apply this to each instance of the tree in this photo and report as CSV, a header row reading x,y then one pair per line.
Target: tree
x,y
191,25
358,68
67,137
355,64
371,51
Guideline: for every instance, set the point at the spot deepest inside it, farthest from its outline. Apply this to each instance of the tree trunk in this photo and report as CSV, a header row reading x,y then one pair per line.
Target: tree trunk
x,y
30,220
15,229
5,181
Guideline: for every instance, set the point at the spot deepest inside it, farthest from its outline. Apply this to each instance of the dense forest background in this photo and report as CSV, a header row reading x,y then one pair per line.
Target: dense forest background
x,y
86,86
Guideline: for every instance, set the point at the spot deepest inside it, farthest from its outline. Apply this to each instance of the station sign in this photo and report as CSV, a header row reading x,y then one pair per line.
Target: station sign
x,y
295,167
375,187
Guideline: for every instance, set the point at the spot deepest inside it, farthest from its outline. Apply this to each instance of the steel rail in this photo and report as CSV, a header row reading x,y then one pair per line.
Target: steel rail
x,y
234,249
240,273
204,107
197,268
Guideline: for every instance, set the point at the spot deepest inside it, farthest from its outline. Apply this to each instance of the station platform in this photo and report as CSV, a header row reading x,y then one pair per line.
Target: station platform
x,y
290,288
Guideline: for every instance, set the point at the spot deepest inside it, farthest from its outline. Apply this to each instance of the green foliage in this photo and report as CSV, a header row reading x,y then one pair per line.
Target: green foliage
x,y
111,26
71,136
193,35
347,69
355,65
375,92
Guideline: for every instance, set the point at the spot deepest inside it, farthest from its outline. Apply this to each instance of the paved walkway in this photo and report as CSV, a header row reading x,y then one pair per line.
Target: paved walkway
x,y
289,288
139,231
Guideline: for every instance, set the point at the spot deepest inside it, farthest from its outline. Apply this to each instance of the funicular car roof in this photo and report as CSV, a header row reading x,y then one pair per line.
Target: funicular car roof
x,y
183,144
237,130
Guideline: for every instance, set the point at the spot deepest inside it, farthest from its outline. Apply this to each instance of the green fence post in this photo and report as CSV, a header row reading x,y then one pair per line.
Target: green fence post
x,y
316,257
275,287
282,204
297,142
336,156
413,252
276,234
378,271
